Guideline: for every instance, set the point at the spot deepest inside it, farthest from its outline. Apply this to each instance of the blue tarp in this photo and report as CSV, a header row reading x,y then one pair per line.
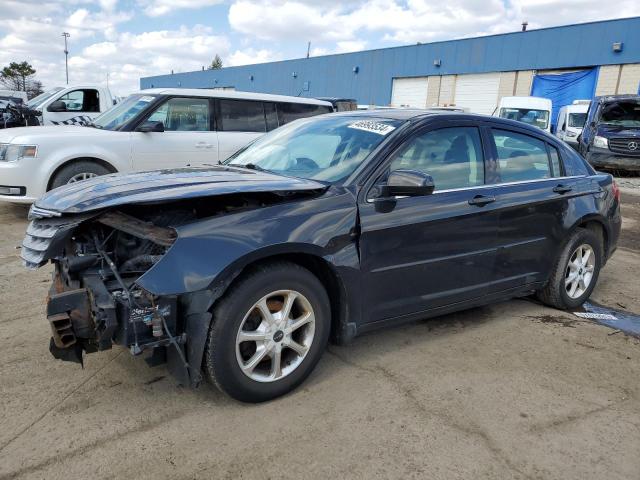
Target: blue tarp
x,y
563,89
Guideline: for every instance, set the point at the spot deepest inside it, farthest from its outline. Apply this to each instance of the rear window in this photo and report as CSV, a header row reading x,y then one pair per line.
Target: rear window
x,y
288,112
521,157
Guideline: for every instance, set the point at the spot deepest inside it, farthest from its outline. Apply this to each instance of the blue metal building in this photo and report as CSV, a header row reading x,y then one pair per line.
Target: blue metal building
x,y
447,72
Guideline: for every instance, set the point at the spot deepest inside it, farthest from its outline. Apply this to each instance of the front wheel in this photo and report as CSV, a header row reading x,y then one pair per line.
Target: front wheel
x,y
575,274
268,332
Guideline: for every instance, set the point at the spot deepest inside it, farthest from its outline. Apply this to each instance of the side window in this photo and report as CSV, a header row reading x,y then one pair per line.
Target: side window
x,y
556,169
183,115
288,112
521,157
271,116
241,116
452,156
81,101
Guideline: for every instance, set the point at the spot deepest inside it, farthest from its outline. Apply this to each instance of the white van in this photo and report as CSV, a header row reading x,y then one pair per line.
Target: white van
x,y
150,130
535,111
571,120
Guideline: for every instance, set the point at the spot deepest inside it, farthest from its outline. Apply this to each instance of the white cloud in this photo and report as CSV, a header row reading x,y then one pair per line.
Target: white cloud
x,y
407,21
103,40
132,56
249,56
156,8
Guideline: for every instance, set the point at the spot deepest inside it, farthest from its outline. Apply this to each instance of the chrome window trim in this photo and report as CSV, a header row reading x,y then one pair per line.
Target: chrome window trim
x,y
490,185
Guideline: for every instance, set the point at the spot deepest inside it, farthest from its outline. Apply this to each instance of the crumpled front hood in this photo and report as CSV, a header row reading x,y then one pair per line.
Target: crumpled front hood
x,y
166,185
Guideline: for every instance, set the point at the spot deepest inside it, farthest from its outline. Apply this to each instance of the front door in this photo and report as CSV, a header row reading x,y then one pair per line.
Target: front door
x,y
188,139
419,253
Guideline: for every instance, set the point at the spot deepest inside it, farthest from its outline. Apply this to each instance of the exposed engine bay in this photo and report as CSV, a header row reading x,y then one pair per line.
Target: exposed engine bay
x,y
94,301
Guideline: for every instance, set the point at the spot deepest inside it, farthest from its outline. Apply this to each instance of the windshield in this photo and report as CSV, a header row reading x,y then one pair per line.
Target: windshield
x,y
124,111
35,101
577,119
327,148
623,113
538,118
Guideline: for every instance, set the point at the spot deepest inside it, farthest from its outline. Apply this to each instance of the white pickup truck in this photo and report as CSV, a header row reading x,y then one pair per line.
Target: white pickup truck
x,y
70,105
153,129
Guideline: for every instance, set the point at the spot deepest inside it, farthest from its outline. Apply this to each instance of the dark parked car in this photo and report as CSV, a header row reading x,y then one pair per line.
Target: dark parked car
x,y
327,227
610,138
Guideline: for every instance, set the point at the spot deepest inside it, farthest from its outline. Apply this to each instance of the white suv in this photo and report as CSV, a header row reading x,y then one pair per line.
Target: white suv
x,y
153,129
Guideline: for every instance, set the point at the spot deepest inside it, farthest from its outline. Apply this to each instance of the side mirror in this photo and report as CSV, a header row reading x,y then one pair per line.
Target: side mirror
x,y
57,106
151,127
409,183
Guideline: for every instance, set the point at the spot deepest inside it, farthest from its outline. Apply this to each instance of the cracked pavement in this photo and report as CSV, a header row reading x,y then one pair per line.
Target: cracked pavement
x,y
511,391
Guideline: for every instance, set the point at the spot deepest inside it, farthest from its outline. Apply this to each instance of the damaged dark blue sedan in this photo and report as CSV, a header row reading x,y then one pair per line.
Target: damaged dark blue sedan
x,y
325,228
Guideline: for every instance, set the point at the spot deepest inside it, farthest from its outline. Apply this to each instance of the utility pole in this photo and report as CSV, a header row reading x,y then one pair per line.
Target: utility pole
x,y
66,54
524,26
308,48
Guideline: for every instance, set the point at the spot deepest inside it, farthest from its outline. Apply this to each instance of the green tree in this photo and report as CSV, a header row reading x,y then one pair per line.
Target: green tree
x,y
216,64
17,76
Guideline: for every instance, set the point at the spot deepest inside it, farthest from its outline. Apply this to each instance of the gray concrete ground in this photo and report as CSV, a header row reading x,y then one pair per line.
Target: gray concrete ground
x,y
511,391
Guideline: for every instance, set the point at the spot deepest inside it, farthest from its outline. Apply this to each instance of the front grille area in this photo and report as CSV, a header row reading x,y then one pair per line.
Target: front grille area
x,y
628,146
41,232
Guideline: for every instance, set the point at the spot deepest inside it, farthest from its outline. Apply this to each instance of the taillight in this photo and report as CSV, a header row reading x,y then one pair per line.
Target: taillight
x,y
616,190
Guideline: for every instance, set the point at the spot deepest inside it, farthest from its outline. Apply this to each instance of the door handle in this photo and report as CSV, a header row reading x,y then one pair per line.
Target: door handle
x,y
561,189
482,200
203,145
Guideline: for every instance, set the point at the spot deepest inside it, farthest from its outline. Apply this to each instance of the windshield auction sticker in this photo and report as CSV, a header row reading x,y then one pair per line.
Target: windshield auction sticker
x,y
371,126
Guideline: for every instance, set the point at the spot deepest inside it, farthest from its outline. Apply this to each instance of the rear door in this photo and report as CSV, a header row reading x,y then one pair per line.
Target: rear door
x,y
239,122
532,197
419,253
188,138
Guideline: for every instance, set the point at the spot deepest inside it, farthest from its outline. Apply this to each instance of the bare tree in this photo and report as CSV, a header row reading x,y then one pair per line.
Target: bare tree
x,y
17,76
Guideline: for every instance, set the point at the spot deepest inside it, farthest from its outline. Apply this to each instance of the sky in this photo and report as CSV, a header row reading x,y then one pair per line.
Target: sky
x,y
120,41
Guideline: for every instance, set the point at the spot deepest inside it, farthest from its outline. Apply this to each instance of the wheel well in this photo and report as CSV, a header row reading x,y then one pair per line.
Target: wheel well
x,y
106,165
598,228
323,271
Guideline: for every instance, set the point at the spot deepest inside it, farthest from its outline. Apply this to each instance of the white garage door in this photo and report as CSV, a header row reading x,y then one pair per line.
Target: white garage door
x,y
409,92
479,93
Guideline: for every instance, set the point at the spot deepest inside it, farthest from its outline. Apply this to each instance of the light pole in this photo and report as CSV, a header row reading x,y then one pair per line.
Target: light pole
x,y
66,55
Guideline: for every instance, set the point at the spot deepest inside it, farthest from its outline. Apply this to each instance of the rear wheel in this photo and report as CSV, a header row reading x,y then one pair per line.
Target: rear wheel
x,y
268,333
77,172
576,272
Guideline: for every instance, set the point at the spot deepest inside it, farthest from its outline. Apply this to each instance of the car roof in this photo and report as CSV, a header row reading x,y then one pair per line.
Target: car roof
x,y
234,94
414,114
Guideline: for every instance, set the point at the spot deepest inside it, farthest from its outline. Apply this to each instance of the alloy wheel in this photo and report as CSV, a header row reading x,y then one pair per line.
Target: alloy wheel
x,y
579,272
275,336
82,176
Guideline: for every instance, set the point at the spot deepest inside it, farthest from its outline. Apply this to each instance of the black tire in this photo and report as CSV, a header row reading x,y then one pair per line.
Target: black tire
x,y
67,172
220,363
554,293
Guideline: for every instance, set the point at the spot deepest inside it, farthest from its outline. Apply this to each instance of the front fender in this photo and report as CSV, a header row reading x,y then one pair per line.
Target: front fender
x,y
210,251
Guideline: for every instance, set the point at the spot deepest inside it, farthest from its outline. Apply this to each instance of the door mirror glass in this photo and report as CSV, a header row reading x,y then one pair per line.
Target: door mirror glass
x,y
151,126
57,106
409,183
